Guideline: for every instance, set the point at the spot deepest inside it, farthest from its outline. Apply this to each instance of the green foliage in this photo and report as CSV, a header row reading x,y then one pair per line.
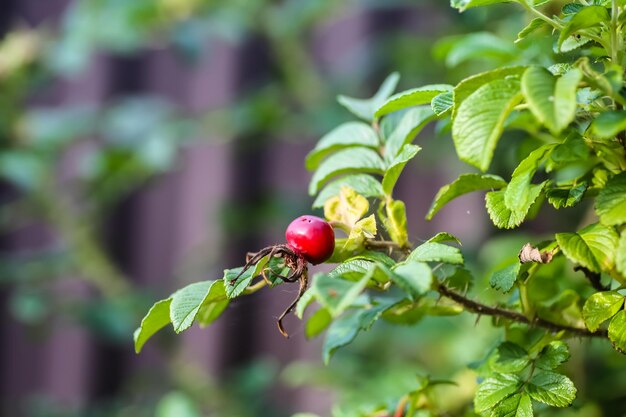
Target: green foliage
x,y
347,135
600,307
611,202
466,183
366,108
479,120
593,247
561,116
552,100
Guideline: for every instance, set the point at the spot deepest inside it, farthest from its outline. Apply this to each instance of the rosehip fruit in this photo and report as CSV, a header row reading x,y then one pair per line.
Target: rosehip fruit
x,y
312,238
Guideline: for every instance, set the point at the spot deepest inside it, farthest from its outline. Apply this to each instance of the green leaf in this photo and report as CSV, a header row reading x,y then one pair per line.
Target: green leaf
x,y
518,405
611,202
414,278
241,282
157,318
552,100
363,229
337,295
533,26
566,197
317,323
400,128
519,195
495,389
565,309
365,108
444,237
620,259
551,388
457,278
409,312
213,304
572,150
442,103
395,222
307,298
466,183
340,333
478,45
469,85
463,5
617,331
364,184
346,161
436,252
374,256
344,329
552,355
510,358
501,215
186,303
608,124
410,98
480,118
572,8
572,43
588,17
397,164
600,307
593,247
344,136
353,269
504,279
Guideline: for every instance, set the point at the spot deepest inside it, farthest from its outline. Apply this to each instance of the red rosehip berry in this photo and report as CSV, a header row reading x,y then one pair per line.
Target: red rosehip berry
x,y
312,238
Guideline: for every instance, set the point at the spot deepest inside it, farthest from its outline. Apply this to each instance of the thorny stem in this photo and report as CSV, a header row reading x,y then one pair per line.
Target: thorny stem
x,y
384,244
482,309
593,277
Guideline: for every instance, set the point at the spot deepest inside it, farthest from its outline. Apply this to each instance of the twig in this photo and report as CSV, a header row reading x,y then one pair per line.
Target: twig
x,y
593,277
385,244
482,309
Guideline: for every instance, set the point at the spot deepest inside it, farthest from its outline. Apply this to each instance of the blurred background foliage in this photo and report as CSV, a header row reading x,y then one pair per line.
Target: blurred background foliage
x,y
69,167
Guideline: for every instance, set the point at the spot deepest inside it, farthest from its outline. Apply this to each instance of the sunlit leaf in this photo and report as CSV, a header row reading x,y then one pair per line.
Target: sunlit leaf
x,y
611,202
410,98
479,120
346,161
551,388
617,331
593,247
157,318
366,108
495,389
600,307
347,135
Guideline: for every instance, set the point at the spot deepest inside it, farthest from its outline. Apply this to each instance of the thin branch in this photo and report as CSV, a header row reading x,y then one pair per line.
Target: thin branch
x,y
542,16
385,244
593,277
482,309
